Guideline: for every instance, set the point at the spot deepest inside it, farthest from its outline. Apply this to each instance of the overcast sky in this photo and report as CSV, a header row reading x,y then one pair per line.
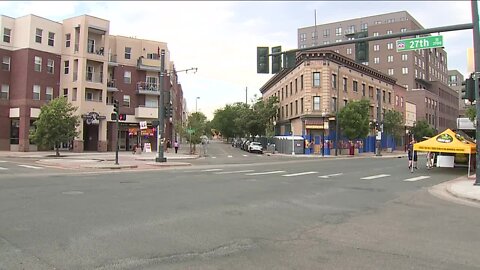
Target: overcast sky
x,y
220,38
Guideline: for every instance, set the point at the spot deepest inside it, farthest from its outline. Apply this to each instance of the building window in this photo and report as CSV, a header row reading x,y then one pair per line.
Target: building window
x,y
363,27
50,66
404,57
14,131
363,89
316,103
291,88
91,46
286,110
67,40
88,96
403,30
375,34
334,104
6,63
337,51
338,40
390,46
67,67
303,46
128,52
326,42
301,82
38,35
74,94
355,86
334,81
126,101
376,60
390,71
345,102
301,105
389,98
376,47
38,64
127,77
65,92
36,92
338,31
303,37
316,79
326,32
5,92
152,56
6,34
345,84
296,85
314,35
49,93
296,107
349,50
51,39
389,32
390,58
90,71
404,70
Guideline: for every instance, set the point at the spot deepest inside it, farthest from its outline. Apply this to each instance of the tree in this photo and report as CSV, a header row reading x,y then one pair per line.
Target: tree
x,y
56,124
393,124
353,119
197,123
422,129
471,113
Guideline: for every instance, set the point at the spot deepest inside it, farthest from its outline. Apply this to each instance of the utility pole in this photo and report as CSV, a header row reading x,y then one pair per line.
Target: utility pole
x,y
476,53
337,128
161,111
246,90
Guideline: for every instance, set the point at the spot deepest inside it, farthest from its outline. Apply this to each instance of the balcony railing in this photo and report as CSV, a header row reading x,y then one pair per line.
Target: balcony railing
x,y
93,50
94,77
112,83
148,88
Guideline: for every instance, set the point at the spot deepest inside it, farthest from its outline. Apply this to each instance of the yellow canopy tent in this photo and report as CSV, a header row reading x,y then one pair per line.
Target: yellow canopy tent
x,y
447,142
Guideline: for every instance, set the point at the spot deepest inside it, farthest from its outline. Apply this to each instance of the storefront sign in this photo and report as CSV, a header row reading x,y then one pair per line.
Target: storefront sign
x,y
92,118
143,124
147,147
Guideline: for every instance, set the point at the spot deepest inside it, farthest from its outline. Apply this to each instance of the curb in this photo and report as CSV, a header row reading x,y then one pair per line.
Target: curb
x,y
457,195
110,166
169,164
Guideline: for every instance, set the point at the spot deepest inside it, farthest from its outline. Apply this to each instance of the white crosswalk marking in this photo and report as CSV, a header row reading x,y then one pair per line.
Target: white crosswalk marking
x,y
298,174
260,173
244,171
416,178
230,156
214,157
330,175
212,170
375,176
31,167
1,168
245,155
3,161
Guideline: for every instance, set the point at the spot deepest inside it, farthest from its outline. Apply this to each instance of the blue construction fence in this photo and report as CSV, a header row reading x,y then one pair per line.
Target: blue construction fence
x,y
363,145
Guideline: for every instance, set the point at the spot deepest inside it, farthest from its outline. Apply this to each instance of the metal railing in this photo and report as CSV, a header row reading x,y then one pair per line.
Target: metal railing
x,y
94,77
146,86
112,83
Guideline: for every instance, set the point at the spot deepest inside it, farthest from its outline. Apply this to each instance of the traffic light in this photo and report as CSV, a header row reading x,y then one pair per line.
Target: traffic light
x,y
468,92
289,59
113,116
361,48
116,106
168,111
276,60
262,60
122,117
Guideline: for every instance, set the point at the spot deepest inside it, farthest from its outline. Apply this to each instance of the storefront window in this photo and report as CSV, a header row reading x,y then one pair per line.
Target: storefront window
x,y
14,131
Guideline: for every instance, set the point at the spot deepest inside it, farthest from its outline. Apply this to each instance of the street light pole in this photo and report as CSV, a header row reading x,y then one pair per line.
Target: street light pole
x,y
197,98
336,111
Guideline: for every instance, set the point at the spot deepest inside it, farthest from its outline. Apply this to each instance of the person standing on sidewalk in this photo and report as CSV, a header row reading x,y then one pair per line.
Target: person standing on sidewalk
x,y
412,156
175,145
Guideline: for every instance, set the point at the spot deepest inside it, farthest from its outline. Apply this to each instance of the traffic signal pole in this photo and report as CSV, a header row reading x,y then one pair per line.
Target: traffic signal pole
x,y
476,76
161,111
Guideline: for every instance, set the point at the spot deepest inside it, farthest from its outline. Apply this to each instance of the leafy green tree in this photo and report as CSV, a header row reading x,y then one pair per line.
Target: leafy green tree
x,y
393,124
353,119
422,129
471,113
196,122
56,124
263,113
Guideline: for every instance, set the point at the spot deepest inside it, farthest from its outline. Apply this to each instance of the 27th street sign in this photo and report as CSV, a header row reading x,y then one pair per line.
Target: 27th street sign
x,y
419,43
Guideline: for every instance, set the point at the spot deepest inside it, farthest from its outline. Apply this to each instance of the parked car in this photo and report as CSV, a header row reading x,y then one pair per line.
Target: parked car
x,y
245,145
255,147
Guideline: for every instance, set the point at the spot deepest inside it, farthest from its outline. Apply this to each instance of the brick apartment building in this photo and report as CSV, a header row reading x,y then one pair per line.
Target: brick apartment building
x,y
79,59
423,73
308,92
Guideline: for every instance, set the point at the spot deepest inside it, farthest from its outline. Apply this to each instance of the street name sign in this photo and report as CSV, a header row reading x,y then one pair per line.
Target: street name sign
x,y
419,43
190,131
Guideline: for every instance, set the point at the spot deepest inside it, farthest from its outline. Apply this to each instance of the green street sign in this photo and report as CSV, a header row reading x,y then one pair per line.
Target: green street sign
x,y
412,44
190,131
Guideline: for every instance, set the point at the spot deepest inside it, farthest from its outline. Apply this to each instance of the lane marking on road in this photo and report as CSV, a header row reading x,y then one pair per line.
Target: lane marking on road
x,y
251,180
31,167
3,161
230,156
245,155
244,171
375,176
261,173
212,170
1,168
214,157
330,175
298,174
416,178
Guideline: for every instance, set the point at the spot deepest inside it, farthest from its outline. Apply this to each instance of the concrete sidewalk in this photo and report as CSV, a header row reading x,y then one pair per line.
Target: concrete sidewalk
x,y
464,188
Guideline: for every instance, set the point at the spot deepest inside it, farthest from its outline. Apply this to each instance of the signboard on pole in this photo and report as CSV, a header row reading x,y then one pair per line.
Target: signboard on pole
x,y
143,124
419,43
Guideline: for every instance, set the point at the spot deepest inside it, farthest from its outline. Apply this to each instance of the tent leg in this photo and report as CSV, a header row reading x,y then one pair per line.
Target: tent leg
x,y
469,161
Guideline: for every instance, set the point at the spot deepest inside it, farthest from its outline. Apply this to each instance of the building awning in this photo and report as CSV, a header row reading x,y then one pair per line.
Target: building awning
x,y
316,123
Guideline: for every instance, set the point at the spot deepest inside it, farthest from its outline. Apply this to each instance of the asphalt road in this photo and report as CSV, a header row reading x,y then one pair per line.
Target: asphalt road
x,y
368,213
